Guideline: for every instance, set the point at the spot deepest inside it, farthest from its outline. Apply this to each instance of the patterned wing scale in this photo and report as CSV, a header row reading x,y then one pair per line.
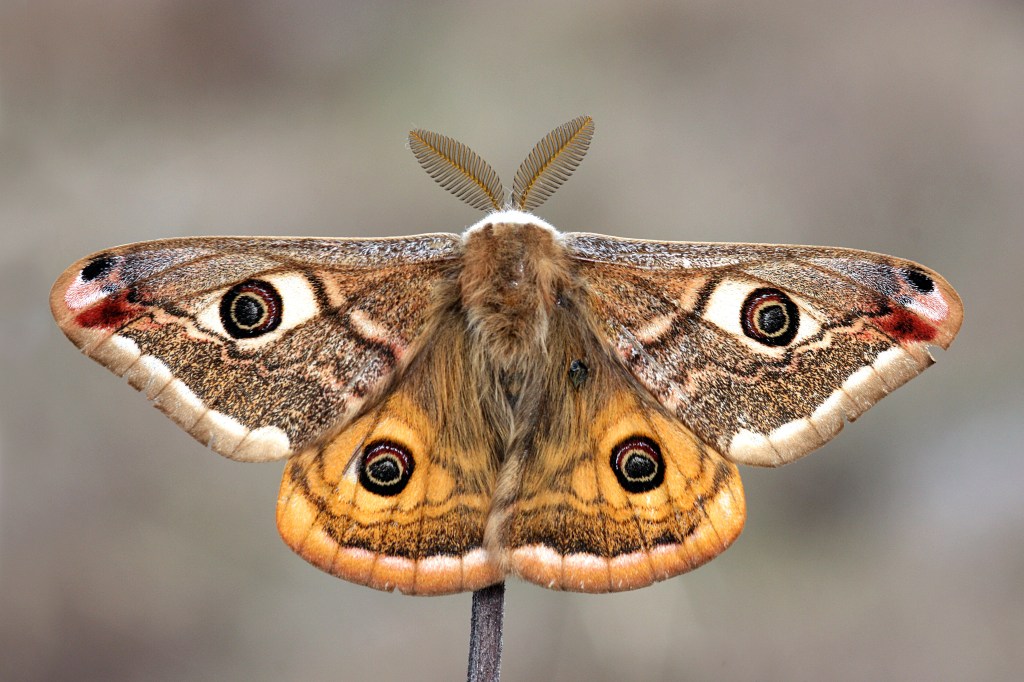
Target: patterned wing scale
x,y
399,499
257,347
764,351
608,492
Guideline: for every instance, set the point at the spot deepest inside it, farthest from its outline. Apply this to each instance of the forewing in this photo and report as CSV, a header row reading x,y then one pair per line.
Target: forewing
x,y
349,313
694,324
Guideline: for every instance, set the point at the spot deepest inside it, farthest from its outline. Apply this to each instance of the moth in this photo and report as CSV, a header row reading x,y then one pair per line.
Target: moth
x,y
568,408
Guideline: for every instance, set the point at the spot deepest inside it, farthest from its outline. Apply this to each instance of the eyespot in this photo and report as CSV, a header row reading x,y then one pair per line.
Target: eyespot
x,y
386,468
250,309
919,280
638,465
770,317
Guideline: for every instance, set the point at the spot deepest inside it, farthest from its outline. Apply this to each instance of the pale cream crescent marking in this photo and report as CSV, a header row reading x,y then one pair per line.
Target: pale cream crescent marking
x,y
542,564
725,501
666,560
896,367
865,388
653,330
263,445
223,434
798,436
434,573
829,417
591,569
179,403
397,573
297,297
89,339
891,369
372,331
750,447
478,570
637,565
149,375
117,353
318,547
354,563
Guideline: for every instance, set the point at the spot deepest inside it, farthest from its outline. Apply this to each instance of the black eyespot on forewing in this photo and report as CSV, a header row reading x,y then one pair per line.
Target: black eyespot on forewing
x,y
250,309
919,280
98,267
638,465
578,373
770,317
386,468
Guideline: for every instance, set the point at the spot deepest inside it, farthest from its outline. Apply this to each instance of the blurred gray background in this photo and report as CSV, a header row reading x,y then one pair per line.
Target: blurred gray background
x,y
127,551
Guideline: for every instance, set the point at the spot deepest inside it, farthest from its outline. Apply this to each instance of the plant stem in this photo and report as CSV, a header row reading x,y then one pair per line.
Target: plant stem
x,y
485,634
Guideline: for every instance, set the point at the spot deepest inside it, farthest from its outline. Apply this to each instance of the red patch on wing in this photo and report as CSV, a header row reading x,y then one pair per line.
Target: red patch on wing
x,y
904,325
110,313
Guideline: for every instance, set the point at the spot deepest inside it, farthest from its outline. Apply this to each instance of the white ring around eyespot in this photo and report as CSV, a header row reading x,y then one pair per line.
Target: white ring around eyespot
x,y
725,307
298,304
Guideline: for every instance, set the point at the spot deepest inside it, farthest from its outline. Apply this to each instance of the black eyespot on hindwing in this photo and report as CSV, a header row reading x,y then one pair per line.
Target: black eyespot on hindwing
x,y
251,309
386,468
578,373
770,317
638,465
98,267
919,280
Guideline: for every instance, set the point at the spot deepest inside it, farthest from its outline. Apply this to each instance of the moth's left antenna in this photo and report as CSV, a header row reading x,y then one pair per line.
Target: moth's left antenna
x,y
458,169
551,162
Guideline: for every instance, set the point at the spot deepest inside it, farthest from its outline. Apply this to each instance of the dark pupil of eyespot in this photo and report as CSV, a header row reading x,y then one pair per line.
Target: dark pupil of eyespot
x,y
639,467
385,470
248,310
772,319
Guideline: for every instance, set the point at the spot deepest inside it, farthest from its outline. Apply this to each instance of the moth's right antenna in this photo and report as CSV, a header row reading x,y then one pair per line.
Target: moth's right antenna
x,y
458,169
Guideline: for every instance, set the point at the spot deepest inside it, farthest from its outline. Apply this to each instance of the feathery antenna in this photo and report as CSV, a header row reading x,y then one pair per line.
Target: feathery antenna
x,y
462,172
458,169
551,162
